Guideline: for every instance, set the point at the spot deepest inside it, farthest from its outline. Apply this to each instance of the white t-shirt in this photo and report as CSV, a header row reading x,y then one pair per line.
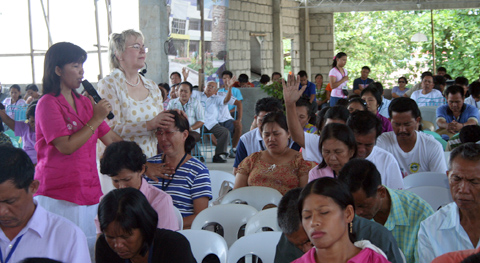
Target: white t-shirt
x,y
388,168
311,152
470,100
434,98
426,156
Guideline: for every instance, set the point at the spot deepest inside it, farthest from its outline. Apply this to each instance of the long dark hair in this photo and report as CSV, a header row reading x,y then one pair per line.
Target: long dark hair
x,y
59,55
339,55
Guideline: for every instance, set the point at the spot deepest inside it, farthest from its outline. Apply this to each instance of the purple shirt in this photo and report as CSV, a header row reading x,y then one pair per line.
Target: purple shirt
x,y
386,125
48,235
28,137
74,177
161,202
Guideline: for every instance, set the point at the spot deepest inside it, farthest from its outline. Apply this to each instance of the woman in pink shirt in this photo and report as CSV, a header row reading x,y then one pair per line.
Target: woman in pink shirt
x,y
338,77
326,208
67,127
337,145
125,162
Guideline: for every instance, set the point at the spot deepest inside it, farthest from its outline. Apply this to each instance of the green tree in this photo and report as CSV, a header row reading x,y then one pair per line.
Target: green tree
x,y
381,40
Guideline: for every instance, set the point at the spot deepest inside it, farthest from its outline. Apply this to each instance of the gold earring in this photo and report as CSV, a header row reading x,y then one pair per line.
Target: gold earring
x,y
351,227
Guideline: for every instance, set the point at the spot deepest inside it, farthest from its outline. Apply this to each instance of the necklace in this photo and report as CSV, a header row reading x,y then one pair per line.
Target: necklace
x,y
133,85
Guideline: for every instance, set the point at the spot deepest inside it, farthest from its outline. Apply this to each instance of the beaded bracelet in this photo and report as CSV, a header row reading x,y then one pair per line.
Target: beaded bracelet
x,y
90,126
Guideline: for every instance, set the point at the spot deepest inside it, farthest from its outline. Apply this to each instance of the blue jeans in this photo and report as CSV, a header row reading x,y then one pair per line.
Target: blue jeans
x,y
333,101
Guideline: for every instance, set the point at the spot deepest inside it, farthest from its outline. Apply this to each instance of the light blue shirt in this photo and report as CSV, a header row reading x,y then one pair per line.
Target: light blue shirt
x,y
442,233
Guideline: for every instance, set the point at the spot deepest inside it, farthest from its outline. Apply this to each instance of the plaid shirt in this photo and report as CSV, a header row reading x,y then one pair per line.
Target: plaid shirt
x,y
193,108
406,213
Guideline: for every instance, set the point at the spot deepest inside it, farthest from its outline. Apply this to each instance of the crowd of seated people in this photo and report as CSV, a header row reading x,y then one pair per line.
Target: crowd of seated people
x,y
342,178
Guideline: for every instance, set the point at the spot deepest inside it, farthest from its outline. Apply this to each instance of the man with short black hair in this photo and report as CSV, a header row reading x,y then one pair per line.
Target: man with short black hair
x,y
362,82
428,96
417,86
399,211
474,98
294,241
442,71
311,90
277,77
236,111
191,106
26,228
455,115
367,128
463,82
414,150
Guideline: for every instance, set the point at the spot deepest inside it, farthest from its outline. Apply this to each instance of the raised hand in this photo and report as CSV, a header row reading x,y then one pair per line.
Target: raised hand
x,y
291,93
185,73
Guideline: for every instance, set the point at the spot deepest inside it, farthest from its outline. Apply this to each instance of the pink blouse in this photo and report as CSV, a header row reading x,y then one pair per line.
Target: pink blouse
x,y
337,92
74,177
316,173
161,202
366,255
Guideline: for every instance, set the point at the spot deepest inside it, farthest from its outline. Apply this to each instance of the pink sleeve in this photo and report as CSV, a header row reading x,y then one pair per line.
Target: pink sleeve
x,y
103,129
166,214
50,118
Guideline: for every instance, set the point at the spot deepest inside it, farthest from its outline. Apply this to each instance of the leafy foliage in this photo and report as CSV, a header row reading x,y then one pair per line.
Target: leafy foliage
x,y
381,40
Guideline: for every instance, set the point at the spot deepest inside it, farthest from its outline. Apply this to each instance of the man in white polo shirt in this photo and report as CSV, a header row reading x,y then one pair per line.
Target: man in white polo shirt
x,y
414,150
26,229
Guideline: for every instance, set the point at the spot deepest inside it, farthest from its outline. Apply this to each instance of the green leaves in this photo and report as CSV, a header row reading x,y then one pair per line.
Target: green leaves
x,y
381,40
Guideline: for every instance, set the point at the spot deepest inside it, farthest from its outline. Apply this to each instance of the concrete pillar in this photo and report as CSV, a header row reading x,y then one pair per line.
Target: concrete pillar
x,y
305,42
321,26
277,36
154,26
250,97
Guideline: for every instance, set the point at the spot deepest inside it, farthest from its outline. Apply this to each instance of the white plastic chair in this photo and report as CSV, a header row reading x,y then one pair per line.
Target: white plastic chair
x,y
264,218
434,195
204,243
179,216
447,157
262,245
231,217
217,178
256,196
429,113
426,179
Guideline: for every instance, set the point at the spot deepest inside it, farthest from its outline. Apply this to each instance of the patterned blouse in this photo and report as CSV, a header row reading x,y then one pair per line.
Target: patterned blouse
x,y
131,116
282,177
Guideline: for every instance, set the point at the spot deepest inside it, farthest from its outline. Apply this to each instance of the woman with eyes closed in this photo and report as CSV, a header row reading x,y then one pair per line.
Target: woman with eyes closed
x,y
137,102
337,145
326,209
130,234
188,182
277,166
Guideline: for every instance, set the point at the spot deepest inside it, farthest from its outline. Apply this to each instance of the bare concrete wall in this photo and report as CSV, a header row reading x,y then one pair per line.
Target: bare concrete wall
x,y
322,43
154,26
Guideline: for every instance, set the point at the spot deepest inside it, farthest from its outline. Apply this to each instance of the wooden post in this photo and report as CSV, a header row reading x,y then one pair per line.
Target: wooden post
x,y
433,44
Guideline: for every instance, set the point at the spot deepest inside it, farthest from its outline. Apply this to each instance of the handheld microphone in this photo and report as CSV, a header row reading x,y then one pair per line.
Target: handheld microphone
x,y
92,92
144,71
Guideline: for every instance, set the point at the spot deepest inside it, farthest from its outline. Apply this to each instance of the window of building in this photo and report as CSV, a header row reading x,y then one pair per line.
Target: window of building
x,y
178,26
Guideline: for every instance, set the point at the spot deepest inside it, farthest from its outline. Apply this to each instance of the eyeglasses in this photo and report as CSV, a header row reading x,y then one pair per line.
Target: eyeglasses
x,y
165,133
401,81
139,48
